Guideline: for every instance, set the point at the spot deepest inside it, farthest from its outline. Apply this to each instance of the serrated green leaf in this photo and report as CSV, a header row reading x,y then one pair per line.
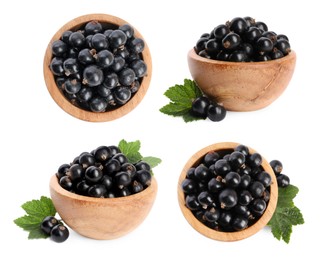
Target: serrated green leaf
x,y
286,196
190,118
37,233
286,214
181,97
152,161
40,208
175,109
131,150
28,222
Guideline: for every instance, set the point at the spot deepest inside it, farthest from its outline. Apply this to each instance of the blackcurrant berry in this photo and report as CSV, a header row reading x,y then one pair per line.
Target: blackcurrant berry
x,y
215,185
92,76
102,153
139,67
255,160
136,45
93,27
72,86
258,206
66,183
99,42
227,198
85,94
283,46
62,170
277,166
243,149
104,59
117,39
107,181
129,168
77,39
238,25
93,174
144,177
212,47
265,178
142,165
225,218
264,44
245,181
59,233
231,41
261,25
111,166
238,56
283,180
256,189
122,95
82,187
48,223
200,106
97,191
236,160
239,223
118,63
232,179
205,199
192,202
200,44
244,198
188,186
127,29
97,104
216,112
124,192
111,80
59,48
76,172
252,34
126,76
137,187
210,158
56,66
86,160
202,173
120,157
212,215
65,36
220,31
222,167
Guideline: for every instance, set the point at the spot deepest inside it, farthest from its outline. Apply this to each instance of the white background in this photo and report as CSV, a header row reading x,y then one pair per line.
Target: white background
x,y
37,136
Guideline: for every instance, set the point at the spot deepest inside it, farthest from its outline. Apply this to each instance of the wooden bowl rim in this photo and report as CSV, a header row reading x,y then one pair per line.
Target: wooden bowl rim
x,y
194,56
54,185
220,235
80,113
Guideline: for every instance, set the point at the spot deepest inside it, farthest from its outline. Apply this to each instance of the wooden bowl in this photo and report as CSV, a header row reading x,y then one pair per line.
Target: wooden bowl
x,y
80,113
242,86
220,235
102,218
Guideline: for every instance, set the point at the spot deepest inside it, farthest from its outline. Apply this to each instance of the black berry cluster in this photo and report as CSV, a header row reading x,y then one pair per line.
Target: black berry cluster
x,y
55,229
98,67
283,180
228,190
203,107
104,173
242,39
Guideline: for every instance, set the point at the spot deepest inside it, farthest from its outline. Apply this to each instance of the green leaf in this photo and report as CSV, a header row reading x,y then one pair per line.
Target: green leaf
x,y
131,150
152,161
36,211
286,214
40,208
181,98
175,109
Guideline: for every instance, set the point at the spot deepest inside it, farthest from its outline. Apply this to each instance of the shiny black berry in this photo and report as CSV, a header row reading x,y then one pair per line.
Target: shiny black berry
x,y
59,233
228,198
200,106
92,76
283,180
48,223
231,41
216,112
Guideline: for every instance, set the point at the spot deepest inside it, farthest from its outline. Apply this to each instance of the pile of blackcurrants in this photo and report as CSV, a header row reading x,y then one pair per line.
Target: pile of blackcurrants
x,y
242,39
55,229
228,190
104,173
98,67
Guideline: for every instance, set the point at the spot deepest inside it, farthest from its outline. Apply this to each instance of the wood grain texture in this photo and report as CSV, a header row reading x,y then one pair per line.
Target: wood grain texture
x,y
102,218
65,104
219,235
242,86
